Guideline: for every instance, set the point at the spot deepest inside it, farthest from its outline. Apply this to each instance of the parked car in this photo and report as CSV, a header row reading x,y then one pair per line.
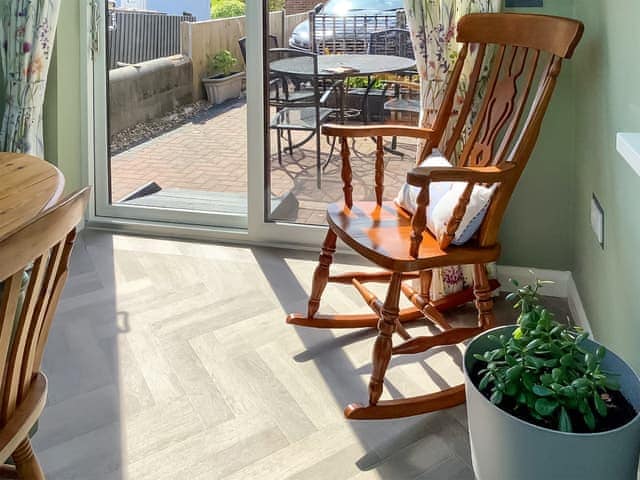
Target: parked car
x,y
353,23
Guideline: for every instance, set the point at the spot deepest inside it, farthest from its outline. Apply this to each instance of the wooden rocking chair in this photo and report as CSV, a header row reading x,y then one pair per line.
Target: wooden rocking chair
x,y
527,50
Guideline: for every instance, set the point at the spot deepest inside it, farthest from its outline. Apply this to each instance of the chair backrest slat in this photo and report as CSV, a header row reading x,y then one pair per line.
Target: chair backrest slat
x,y
489,95
40,248
9,302
18,344
43,300
467,103
530,62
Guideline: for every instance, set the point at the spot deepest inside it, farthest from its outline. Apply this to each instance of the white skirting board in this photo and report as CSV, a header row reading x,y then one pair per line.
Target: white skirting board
x,y
563,287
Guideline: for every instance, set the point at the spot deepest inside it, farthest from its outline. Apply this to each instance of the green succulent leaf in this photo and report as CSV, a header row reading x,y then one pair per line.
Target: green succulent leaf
x,y
496,397
568,391
542,391
567,360
589,419
546,406
528,380
546,379
581,338
590,360
484,382
564,422
534,361
557,374
601,352
533,344
601,406
581,383
511,389
513,373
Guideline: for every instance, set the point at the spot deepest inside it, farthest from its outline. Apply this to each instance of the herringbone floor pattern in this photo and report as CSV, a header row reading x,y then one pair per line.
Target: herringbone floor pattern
x,y
171,360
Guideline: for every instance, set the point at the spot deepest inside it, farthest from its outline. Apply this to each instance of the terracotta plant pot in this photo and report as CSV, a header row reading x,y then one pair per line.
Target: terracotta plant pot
x,y
221,89
504,447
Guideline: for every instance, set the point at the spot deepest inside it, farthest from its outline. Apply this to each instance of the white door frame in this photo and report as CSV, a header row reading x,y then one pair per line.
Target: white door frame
x,y
252,229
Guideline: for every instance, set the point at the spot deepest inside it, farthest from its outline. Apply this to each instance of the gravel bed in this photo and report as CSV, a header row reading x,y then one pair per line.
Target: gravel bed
x,y
145,131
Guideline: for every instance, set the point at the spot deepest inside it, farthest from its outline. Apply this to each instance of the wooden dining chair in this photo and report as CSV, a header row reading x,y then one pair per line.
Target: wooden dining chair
x,y
525,54
33,270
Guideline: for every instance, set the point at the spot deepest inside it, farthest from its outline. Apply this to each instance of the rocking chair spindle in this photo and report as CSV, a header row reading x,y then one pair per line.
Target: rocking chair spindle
x,y
499,142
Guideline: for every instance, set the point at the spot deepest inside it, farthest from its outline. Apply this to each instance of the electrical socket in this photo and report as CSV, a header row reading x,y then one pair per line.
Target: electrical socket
x,y
597,219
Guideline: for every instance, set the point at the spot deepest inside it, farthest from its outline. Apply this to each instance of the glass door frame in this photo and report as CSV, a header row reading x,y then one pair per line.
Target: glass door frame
x,y
254,228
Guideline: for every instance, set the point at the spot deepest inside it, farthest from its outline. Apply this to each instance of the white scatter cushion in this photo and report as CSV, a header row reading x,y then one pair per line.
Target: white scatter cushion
x,y
477,208
407,198
443,198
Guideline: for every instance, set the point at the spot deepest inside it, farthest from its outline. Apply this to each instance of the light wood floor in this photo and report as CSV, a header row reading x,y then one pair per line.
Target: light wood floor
x,y
172,360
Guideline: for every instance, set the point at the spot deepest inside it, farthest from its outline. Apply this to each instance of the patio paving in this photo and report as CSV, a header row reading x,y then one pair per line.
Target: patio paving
x,y
209,153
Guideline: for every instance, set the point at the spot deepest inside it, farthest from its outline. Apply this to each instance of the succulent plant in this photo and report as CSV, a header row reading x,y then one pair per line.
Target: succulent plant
x,y
542,369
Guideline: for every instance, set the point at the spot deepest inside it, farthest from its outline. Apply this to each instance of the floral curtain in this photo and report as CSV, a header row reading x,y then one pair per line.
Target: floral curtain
x,y
27,30
432,24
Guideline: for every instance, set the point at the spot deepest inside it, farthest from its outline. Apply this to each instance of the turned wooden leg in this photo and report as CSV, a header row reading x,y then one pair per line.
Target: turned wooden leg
x,y
383,344
482,292
27,465
321,274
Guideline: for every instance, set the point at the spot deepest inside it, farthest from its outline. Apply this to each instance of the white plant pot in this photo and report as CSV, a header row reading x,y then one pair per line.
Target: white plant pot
x,y
504,447
220,90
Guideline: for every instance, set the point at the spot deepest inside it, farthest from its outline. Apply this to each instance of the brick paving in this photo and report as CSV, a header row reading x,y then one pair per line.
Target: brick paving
x,y
209,153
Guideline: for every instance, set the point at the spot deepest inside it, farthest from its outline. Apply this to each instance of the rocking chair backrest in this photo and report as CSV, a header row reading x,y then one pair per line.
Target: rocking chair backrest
x,y
33,270
527,49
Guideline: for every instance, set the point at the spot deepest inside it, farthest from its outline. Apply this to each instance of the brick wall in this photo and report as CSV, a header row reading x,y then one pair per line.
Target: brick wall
x,y
299,6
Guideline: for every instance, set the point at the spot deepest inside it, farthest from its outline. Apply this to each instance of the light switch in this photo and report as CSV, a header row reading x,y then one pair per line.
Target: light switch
x,y
597,220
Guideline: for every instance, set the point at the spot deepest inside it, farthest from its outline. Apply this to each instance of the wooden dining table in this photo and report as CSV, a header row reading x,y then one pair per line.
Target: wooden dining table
x,y
28,186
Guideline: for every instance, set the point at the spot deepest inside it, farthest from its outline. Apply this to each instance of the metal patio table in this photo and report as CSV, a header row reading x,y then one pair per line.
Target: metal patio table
x,y
341,66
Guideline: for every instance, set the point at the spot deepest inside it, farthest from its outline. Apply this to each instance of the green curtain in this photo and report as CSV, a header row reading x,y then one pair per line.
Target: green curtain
x,y
432,24
27,31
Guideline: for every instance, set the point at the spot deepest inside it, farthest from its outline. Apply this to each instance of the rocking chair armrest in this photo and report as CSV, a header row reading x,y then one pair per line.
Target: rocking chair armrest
x,y
422,176
358,131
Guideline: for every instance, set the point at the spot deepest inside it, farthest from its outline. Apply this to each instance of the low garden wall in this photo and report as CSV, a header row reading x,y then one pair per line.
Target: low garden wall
x,y
148,90
206,38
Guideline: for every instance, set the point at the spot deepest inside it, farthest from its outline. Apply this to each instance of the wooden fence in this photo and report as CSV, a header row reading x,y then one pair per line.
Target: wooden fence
x,y
200,39
135,37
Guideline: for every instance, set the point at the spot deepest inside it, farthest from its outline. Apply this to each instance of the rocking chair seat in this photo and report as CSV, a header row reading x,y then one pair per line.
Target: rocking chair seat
x,y
383,235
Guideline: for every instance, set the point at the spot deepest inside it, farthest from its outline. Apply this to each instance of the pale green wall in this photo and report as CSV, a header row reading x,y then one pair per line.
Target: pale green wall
x,y
537,229
62,112
607,69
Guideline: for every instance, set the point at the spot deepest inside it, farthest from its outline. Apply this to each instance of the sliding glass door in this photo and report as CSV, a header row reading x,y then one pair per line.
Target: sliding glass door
x,y
199,122
170,145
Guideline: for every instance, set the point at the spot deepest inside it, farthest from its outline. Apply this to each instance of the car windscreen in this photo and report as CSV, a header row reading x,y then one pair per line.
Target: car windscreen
x,y
342,7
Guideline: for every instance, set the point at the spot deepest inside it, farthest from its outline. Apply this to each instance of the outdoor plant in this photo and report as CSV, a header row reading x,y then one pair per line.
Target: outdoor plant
x,y
542,373
363,82
222,63
227,8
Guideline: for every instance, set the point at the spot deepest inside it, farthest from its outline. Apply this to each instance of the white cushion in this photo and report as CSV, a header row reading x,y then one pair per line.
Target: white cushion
x,y
443,198
407,198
